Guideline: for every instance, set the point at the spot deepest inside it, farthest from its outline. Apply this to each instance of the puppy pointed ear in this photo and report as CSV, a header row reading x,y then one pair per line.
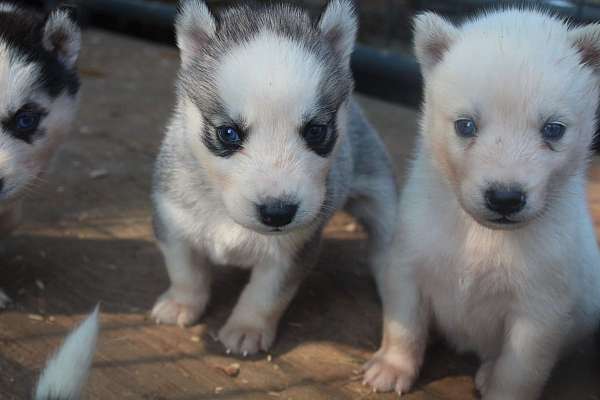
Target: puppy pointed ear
x,y
586,40
339,25
62,36
433,37
195,26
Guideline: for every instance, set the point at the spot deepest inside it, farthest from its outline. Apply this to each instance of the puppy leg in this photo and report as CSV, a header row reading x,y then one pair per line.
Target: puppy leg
x,y
252,327
374,205
190,275
4,300
528,355
396,365
484,373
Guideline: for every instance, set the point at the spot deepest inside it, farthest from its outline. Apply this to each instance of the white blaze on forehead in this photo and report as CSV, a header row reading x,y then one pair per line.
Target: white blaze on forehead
x,y
18,80
270,75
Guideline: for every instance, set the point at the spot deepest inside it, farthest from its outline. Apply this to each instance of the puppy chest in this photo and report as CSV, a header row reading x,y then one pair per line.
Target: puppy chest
x,y
470,318
235,246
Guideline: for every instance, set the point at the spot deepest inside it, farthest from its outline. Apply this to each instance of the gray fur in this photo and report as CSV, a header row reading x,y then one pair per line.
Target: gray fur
x,y
361,179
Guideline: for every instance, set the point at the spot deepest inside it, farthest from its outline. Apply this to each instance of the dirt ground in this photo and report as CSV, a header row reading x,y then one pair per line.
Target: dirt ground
x,y
87,238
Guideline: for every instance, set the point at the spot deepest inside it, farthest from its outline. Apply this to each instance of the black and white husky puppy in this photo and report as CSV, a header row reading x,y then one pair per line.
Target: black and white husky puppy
x,y
265,144
38,99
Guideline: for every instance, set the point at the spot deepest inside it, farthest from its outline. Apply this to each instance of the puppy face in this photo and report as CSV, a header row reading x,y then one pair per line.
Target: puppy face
x,y
264,94
38,93
510,111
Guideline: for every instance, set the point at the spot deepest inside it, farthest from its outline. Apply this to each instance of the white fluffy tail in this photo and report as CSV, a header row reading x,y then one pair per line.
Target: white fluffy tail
x,y
68,369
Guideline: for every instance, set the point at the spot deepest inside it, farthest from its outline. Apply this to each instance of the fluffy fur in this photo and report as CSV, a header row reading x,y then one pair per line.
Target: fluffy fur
x,y
68,370
517,294
37,78
269,71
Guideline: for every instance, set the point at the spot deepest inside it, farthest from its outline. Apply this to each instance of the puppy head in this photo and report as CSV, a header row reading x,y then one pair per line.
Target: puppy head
x,y
262,92
510,109
38,92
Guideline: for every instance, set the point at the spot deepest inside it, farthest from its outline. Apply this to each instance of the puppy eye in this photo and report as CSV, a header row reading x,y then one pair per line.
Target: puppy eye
x,y
229,136
314,134
465,127
27,121
553,131
24,124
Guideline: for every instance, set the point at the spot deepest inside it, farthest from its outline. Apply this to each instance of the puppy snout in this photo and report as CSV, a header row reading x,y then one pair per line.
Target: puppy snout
x,y
505,200
277,212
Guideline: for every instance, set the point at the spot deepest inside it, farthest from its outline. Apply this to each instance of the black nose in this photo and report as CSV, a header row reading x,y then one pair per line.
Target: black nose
x,y
277,213
505,200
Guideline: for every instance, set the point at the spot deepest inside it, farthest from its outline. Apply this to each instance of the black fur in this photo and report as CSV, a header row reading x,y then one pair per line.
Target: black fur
x,y
10,124
22,31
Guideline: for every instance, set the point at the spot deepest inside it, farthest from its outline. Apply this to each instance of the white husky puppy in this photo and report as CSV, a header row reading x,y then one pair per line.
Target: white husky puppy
x,y
495,246
38,99
265,145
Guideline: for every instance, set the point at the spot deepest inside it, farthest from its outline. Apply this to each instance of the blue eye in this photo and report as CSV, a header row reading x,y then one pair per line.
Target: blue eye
x,y
315,134
553,131
229,136
27,121
465,127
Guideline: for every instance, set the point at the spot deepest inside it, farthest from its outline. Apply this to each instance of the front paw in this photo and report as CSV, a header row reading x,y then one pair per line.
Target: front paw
x,y
484,374
390,370
243,338
4,300
173,309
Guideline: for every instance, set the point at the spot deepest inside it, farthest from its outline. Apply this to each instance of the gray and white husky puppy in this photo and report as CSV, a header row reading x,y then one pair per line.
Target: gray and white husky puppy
x,y
496,247
38,99
265,144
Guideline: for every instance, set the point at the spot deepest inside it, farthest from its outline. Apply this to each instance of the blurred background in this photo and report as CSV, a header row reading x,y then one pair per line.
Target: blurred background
x,y
383,64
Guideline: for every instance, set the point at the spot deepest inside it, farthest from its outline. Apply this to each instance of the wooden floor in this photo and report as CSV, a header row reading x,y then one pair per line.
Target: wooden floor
x,y
87,238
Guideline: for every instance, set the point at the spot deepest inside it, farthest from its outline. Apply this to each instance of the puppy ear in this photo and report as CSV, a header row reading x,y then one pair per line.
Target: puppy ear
x,y
433,37
195,26
339,25
586,40
62,36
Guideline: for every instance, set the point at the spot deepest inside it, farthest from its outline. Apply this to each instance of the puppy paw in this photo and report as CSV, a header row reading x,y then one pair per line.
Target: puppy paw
x,y
482,379
4,300
169,309
390,371
247,339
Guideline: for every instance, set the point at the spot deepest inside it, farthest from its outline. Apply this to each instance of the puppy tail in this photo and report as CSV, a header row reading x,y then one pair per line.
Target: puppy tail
x,y
67,371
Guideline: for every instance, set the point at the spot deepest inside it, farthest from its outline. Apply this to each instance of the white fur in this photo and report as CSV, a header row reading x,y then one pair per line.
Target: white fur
x,y
206,205
7,7
516,296
68,369
4,299
273,84
22,163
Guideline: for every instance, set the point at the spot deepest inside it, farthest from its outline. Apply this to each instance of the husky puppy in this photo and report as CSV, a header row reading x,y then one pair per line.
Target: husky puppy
x,y
265,144
38,99
68,370
495,245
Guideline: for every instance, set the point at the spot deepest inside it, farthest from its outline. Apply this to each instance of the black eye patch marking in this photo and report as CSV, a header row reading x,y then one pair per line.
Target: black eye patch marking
x,y
24,124
320,137
223,140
